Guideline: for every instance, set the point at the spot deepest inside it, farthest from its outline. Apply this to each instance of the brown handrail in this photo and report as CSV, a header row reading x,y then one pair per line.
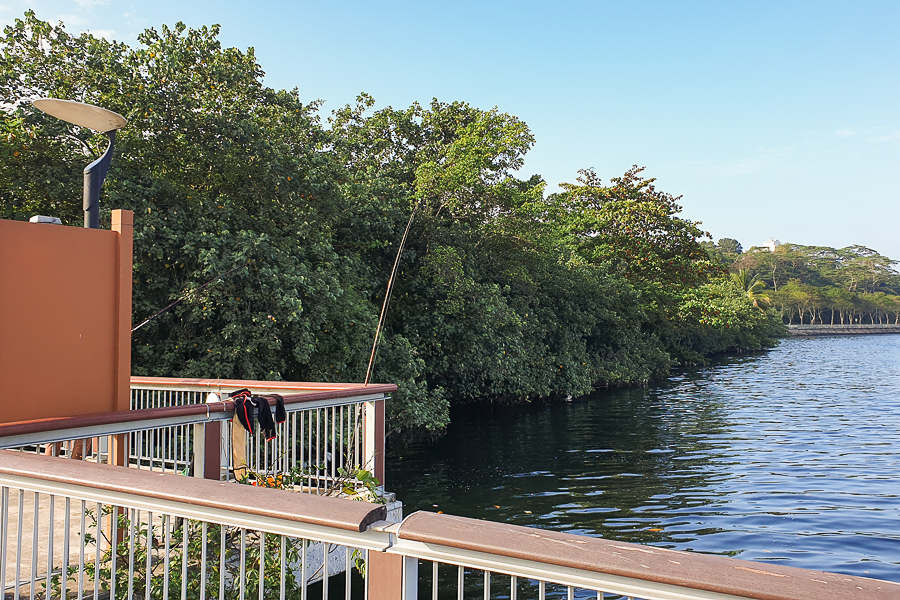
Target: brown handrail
x,y
649,563
147,414
237,384
281,504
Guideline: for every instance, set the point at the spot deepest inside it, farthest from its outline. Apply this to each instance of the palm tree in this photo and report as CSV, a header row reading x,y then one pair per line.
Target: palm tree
x,y
753,287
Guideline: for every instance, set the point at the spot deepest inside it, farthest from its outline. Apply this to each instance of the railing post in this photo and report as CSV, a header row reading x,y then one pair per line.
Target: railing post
x,y
207,450
118,452
379,440
368,433
384,576
373,438
213,446
199,443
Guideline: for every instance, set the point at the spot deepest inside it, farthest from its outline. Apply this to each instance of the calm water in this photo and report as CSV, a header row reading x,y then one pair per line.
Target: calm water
x,y
790,456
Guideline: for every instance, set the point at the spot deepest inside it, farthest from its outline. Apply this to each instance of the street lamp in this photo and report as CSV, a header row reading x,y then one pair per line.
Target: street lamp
x,y
98,119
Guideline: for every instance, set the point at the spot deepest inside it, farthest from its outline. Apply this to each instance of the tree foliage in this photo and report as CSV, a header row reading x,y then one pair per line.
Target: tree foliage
x,y
503,293
815,284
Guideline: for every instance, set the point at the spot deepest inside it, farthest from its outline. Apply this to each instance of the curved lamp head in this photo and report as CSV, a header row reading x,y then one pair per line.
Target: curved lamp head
x,y
81,114
98,119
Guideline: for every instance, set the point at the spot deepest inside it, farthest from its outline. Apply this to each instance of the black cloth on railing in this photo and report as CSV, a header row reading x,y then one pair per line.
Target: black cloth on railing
x,y
246,406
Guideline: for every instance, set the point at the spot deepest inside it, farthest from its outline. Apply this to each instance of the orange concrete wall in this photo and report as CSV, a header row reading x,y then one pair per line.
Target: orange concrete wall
x,y
65,319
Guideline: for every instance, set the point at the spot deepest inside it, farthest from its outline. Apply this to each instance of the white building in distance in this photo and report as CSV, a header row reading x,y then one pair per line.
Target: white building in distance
x,y
771,245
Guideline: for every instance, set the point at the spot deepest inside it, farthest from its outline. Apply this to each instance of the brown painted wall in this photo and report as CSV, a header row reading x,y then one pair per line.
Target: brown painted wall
x,y
65,319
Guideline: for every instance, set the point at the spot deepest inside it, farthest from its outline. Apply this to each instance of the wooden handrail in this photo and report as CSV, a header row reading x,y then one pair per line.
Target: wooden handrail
x,y
236,384
186,411
717,574
280,504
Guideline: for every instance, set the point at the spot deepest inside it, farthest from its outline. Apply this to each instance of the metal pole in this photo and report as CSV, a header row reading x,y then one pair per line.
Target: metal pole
x,y
94,175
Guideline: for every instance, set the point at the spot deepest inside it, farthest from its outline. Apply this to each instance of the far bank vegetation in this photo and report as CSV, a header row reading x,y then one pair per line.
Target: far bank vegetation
x,y
817,284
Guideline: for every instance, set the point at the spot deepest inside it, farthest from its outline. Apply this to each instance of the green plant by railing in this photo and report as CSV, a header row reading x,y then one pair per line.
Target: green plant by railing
x,y
354,483
224,574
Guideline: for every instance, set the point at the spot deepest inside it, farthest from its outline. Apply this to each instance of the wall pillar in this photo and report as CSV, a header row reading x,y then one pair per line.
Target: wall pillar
x,y
123,224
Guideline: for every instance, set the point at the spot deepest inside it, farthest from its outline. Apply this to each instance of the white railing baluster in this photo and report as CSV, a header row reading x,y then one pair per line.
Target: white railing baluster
x,y
342,444
293,445
221,561
51,525
81,543
20,496
185,539
434,580
114,548
67,530
131,526
281,587
4,532
303,579
347,556
243,577
203,543
324,571
318,442
304,463
333,460
98,539
149,566
365,585
262,564
163,434
357,449
35,528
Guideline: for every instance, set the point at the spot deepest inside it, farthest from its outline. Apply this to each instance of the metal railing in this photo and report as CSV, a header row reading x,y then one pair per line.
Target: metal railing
x,y
166,448
324,436
181,426
99,531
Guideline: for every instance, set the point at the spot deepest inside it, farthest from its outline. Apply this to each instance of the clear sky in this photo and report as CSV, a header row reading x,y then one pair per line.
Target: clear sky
x,y
772,119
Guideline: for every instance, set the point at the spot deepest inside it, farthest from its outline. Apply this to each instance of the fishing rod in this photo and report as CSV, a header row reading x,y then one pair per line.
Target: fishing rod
x,y
387,295
186,294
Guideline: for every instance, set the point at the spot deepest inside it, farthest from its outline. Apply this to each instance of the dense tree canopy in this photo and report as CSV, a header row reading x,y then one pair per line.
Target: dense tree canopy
x,y
818,284
503,293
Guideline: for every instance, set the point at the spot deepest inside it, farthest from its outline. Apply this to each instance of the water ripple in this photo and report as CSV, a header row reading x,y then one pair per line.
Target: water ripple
x,y
788,457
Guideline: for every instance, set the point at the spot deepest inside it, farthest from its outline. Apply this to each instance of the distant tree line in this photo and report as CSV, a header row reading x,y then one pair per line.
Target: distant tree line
x,y
818,284
504,293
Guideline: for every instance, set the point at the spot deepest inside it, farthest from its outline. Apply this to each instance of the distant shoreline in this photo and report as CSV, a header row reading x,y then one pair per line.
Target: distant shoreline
x,y
814,330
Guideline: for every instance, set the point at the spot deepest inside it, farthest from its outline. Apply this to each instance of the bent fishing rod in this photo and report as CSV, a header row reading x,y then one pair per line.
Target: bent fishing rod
x,y
387,295
186,294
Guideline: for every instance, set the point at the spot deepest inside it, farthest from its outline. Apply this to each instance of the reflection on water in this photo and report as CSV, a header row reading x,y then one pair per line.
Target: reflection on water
x,y
790,456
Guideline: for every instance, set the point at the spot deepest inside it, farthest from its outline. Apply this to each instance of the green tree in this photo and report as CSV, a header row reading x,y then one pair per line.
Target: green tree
x,y
222,173
634,228
751,286
839,301
502,293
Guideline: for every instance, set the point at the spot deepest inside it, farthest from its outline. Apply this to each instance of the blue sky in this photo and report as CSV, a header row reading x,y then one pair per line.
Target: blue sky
x,y
771,119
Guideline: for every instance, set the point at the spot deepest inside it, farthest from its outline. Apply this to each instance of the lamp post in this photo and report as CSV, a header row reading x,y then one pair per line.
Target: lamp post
x,y
98,119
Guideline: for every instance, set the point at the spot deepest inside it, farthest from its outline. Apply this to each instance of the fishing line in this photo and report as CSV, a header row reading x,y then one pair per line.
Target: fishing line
x,y
186,294
387,295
